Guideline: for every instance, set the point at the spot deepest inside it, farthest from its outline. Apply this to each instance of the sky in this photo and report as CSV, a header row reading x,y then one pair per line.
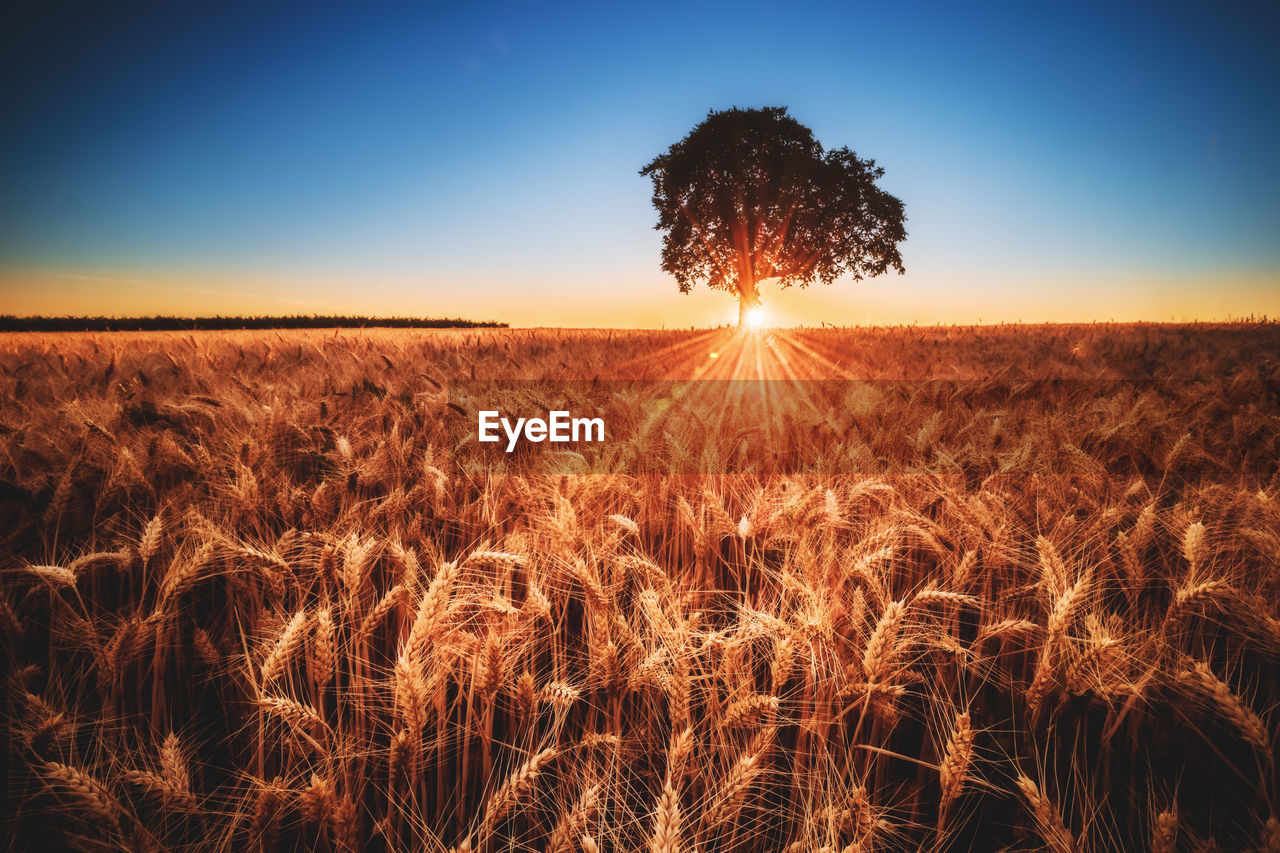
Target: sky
x,y
1059,162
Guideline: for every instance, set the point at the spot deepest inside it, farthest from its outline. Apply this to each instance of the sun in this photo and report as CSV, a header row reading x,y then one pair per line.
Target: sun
x,y
755,318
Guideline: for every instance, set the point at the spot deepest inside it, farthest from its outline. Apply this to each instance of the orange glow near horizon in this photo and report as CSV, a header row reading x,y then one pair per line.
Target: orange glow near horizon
x,y
646,300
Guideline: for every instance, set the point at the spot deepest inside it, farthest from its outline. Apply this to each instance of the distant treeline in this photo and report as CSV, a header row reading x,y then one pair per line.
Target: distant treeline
x,y
11,323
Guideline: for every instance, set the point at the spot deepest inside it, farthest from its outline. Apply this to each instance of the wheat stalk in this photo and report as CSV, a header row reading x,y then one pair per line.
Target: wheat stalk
x,y
1047,819
955,764
732,791
1164,835
573,821
87,791
1237,713
431,612
517,786
666,822
302,719
322,649
877,660
285,648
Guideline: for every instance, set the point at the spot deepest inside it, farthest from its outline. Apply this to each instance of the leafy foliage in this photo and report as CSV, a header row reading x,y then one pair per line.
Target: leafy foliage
x,y
750,195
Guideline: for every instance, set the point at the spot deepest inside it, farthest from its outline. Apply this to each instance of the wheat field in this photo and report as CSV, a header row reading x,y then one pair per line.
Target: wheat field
x,y
998,588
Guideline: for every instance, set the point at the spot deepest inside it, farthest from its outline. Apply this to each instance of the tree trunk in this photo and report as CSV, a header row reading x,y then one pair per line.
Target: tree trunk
x,y
747,300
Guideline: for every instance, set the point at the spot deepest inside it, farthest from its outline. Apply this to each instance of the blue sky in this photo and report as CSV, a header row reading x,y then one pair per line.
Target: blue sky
x,y
1058,161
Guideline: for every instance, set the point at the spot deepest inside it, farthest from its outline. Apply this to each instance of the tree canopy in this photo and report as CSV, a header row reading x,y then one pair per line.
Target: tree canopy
x,y
750,195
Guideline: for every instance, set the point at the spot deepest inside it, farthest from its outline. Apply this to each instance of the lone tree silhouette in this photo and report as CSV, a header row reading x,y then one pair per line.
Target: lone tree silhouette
x,y
750,195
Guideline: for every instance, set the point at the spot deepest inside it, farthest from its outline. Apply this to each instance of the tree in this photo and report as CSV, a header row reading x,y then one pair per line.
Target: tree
x,y
750,195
